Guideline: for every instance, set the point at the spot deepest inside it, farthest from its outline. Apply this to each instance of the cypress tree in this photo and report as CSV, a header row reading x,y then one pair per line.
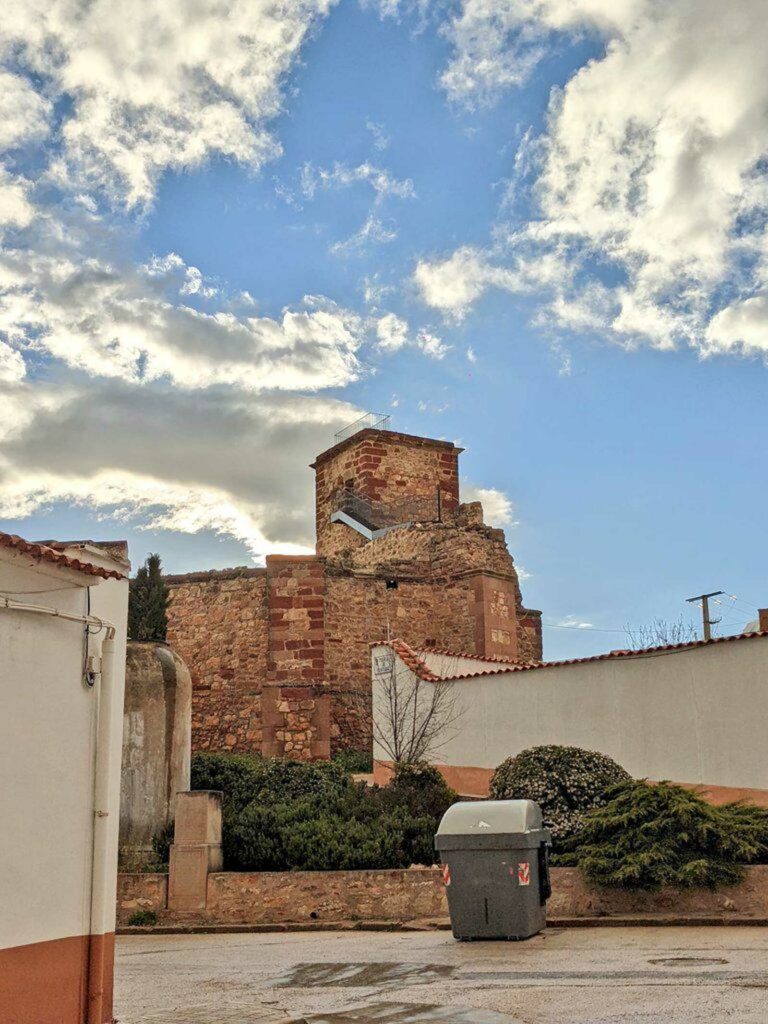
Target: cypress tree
x,y
148,602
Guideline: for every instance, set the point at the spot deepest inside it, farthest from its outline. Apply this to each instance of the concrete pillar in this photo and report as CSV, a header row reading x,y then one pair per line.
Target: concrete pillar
x,y
196,849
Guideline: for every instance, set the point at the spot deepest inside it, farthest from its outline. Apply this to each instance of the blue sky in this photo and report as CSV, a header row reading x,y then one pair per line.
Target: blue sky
x,y
518,226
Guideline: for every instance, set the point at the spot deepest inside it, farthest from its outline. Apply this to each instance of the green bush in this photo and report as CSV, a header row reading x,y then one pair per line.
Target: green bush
x,y
287,815
243,778
566,782
420,789
356,762
142,918
648,836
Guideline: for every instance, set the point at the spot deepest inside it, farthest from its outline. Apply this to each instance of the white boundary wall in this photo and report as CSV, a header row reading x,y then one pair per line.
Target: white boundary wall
x,y
696,716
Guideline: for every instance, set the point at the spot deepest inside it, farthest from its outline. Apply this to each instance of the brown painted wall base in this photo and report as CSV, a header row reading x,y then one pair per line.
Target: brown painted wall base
x,y
46,982
301,897
468,780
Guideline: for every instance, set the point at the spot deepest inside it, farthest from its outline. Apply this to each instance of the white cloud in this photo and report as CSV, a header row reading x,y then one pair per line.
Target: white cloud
x,y
498,508
380,138
134,323
393,333
24,114
453,284
373,230
573,622
384,185
12,366
471,355
431,345
155,86
651,188
341,176
167,460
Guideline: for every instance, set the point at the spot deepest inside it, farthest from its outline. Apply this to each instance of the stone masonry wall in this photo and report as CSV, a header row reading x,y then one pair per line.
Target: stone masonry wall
x,y
217,621
398,471
359,610
280,656
278,897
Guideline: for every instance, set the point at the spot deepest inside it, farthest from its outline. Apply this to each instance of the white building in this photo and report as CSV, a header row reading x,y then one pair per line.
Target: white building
x,y
63,615
696,713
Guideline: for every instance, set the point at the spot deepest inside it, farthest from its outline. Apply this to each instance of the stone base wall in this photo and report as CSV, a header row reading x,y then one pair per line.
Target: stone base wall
x,y
143,891
296,897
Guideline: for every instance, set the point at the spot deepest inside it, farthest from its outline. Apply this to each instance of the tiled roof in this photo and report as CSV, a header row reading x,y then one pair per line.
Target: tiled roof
x,y
44,553
416,663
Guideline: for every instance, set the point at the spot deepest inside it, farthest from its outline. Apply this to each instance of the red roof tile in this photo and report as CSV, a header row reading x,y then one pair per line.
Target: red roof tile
x,y
44,553
416,663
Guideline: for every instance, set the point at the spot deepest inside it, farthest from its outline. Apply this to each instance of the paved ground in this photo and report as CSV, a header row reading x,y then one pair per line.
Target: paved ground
x,y
570,976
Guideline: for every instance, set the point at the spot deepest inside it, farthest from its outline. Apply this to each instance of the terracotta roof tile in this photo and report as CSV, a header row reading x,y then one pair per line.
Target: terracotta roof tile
x,y
44,553
420,667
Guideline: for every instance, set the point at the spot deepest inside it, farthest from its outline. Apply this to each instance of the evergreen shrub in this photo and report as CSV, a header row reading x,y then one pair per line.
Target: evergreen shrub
x,y
148,598
566,782
289,815
357,762
648,836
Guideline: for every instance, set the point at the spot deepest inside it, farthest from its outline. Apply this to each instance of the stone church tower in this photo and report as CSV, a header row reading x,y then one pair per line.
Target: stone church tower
x,y
280,655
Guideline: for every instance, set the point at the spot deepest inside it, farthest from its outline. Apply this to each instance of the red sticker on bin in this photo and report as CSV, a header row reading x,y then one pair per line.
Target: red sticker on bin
x,y
446,874
524,874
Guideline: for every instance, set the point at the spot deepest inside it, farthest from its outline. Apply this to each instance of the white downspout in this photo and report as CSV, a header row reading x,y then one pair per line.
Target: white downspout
x,y
102,898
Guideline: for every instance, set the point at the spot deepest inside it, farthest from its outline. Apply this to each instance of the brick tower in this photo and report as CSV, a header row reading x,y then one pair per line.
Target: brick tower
x,y
280,656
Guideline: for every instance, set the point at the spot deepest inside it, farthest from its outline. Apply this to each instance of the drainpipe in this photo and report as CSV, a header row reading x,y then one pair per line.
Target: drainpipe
x,y
102,897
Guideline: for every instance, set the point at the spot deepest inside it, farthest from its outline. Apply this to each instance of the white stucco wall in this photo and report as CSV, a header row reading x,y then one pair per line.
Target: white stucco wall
x,y
695,716
47,731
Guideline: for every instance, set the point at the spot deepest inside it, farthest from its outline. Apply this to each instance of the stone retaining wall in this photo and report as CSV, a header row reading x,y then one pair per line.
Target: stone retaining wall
x,y
143,891
302,896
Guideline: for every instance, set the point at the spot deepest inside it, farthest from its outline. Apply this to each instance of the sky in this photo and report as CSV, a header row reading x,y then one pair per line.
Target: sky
x,y
536,228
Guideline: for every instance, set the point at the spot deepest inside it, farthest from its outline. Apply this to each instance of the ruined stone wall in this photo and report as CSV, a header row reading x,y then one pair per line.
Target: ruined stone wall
x,y
218,623
359,610
280,656
396,472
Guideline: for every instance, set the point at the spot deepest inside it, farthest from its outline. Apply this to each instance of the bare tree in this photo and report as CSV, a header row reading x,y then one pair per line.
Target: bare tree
x,y
412,719
661,633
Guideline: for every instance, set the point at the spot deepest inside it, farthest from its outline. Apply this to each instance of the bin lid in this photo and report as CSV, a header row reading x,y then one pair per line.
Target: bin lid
x,y
490,817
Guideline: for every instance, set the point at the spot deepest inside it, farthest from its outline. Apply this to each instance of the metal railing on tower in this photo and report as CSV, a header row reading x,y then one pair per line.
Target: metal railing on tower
x,y
371,421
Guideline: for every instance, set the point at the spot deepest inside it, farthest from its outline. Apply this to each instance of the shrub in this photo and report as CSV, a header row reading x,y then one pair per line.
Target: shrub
x,y
566,782
243,778
283,815
142,918
356,762
420,789
148,598
649,836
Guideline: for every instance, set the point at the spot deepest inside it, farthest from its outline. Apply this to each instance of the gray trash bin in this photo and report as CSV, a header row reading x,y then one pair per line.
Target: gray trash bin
x,y
495,857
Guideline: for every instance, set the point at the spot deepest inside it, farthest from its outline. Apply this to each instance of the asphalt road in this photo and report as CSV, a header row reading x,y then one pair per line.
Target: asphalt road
x,y
565,976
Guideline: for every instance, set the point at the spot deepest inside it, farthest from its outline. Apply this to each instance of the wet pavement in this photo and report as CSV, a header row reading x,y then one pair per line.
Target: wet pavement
x,y
578,976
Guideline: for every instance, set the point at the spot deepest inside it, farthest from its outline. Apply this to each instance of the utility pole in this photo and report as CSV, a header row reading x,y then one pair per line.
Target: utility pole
x,y
704,598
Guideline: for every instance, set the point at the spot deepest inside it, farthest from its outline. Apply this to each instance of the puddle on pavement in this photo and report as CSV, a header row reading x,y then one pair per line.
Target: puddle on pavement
x,y
686,961
410,1013
361,975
